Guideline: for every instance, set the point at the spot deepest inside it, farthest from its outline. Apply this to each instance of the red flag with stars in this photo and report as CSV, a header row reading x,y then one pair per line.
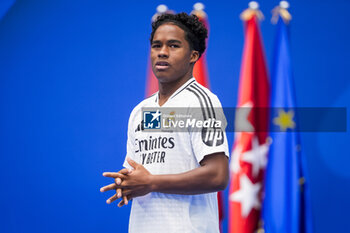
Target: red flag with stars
x,y
200,72
250,147
152,81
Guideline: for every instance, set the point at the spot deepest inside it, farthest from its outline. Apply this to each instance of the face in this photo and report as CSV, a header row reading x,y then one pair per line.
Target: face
x,y
171,56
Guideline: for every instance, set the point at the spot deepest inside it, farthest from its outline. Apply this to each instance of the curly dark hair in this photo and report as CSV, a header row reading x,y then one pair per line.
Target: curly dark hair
x,y
195,31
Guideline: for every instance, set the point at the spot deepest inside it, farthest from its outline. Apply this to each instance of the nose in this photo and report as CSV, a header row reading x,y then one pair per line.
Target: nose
x,y
163,53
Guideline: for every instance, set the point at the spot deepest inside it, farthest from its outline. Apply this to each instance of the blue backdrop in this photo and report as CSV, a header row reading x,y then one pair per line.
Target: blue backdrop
x,y
72,71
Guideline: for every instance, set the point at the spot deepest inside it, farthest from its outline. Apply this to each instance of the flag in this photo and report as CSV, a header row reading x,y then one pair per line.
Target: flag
x,y
151,82
200,72
286,206
250,147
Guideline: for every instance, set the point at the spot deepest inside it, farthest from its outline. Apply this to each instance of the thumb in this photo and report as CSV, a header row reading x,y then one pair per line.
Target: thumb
x,y
132,163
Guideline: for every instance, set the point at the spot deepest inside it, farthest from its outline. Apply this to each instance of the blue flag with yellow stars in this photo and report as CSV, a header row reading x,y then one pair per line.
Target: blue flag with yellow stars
x,y
286,206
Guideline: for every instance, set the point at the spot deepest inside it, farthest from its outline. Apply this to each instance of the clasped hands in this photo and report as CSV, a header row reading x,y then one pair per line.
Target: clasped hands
x,y
128,183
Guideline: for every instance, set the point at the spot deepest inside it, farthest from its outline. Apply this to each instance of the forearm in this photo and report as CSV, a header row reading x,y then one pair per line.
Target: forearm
x,y
211,177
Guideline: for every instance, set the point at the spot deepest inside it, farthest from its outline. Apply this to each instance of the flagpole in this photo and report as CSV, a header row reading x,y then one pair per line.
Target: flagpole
x,y
253,10
281,10
286,206
250,146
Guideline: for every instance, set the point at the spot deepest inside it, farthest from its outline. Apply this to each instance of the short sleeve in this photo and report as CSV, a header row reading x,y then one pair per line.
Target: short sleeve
x,y
211,137
130,150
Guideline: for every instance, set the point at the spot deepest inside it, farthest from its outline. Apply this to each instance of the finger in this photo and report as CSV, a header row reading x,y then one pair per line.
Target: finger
x,y
108,187
131,162
125,201
125,171
111,199
110,174
125,198
114,175
118,181
121,203
119,193
126,192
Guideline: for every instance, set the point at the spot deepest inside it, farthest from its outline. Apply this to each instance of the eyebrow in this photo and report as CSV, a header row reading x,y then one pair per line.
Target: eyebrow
x,y
169,41
174,41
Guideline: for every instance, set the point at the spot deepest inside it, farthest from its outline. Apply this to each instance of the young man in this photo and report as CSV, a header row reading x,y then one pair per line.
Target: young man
x,y
172,176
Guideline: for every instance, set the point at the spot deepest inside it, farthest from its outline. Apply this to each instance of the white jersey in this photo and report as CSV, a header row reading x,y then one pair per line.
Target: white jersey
x,y
173,153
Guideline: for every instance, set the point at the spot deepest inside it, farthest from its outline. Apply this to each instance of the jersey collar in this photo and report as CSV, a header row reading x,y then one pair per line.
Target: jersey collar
x,y
183,87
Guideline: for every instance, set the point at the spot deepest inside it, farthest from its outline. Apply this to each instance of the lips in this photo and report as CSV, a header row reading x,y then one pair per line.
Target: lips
x,y
162,65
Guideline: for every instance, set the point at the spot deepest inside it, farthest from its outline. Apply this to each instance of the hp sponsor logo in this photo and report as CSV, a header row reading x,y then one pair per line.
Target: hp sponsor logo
x,y
212,136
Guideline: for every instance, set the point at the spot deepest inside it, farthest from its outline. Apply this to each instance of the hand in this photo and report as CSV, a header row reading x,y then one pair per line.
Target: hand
x,y
136,183
113,186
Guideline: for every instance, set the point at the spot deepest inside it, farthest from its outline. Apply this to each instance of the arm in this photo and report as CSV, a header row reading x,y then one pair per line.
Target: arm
x,y
211,176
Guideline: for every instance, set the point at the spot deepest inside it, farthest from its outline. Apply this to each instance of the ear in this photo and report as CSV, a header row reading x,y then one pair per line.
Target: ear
x,y
194,56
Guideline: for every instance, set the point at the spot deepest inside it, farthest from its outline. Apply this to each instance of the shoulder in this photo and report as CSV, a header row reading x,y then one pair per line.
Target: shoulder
x,y
144,103
202,96
136,112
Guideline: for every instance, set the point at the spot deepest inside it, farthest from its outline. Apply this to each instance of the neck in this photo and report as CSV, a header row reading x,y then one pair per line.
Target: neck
x,y
167,89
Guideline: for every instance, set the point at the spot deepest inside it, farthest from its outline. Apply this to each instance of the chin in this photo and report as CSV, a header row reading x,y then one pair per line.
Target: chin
x,y
164,80
163,77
